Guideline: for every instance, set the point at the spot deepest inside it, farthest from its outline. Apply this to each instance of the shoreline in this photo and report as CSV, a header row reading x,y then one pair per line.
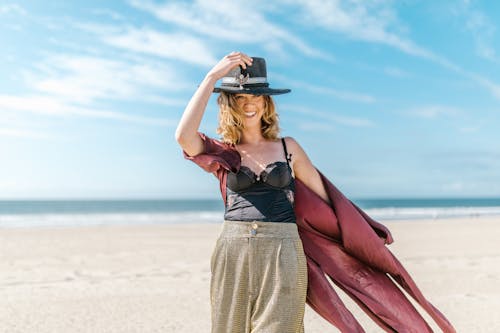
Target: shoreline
x,y
83,220
155,278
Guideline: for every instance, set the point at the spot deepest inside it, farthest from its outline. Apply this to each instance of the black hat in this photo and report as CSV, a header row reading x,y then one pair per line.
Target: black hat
x,y
252,80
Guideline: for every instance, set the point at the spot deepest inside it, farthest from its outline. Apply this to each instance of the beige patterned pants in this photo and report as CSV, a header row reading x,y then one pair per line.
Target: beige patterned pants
x,y
259,279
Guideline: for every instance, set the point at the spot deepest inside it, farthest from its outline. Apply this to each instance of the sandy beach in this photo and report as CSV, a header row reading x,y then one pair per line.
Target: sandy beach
x,y
156,278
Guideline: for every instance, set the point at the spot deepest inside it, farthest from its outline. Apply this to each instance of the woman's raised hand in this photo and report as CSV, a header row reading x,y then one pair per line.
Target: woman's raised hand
x,y
230,61
186,132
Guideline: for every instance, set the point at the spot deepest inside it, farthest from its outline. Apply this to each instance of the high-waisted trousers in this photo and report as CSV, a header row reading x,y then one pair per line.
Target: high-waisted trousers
x,y
259,279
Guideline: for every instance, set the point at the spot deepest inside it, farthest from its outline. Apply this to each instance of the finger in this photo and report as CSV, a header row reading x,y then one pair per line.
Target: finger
x,y
239,55
243,60
244,56
248,60
234,64
234,54
234,59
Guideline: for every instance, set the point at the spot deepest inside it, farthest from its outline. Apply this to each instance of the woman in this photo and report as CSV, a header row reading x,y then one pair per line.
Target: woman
x,y
265,289
273,194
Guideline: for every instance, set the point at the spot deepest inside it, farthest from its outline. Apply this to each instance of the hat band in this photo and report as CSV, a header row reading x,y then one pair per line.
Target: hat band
x,y
251,80
251,85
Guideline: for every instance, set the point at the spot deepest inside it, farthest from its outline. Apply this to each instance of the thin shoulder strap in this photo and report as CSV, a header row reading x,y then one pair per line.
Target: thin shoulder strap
x,y
287,156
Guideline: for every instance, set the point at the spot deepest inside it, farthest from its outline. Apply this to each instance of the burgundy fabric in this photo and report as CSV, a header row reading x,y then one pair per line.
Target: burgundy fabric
x,y
345,244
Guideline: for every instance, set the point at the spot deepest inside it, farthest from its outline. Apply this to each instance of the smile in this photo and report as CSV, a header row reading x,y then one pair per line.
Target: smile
x,y
250,114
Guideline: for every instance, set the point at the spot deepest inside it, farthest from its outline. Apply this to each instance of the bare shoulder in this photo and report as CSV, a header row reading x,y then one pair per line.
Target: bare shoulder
x,y
301,165
304,169
295,149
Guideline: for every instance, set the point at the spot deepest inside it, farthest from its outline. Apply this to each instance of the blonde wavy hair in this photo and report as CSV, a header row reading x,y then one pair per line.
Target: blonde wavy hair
x,y
231,120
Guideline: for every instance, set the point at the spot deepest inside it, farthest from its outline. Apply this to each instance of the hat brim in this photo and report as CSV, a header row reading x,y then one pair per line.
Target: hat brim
x,y
251,90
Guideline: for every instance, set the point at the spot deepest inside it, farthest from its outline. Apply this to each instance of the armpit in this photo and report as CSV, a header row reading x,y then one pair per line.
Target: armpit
x,y
215,155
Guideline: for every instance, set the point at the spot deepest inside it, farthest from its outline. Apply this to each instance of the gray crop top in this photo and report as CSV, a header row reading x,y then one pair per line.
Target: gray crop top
x,y
265,197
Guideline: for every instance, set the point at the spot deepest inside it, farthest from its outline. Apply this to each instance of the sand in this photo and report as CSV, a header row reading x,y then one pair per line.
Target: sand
x,y
156,278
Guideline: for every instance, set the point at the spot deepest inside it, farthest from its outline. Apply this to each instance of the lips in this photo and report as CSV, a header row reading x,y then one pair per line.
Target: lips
x,y
250,114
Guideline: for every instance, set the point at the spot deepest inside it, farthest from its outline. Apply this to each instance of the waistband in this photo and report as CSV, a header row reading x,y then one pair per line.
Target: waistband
x,y
259,229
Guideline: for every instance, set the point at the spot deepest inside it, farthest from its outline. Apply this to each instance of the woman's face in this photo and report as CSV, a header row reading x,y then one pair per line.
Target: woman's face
x,y
252,107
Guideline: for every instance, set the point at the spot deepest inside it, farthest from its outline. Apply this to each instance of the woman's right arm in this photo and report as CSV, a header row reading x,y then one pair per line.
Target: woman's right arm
x,y
186,132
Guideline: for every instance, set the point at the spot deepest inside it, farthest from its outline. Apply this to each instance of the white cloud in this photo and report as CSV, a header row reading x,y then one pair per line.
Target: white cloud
x,y
85,79
370,21
55,107
326,90
230,21
362,20
340,94
98,28
396,72
12,8
434,111
107,114
179,46
22,125
375,22
108,13
314,126
481,28
330,116
469,129
493,87
24,133
78,84
33,103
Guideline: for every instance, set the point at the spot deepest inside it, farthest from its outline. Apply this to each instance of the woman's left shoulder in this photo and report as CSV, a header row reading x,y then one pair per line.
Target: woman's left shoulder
x,y
293,145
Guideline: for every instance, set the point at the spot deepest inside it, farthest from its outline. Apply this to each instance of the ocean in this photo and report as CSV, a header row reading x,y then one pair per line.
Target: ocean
x,y
66,213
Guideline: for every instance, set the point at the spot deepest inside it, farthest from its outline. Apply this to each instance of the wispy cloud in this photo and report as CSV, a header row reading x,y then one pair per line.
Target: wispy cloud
x,y
480,26
314,126
434,111
362,20
370,21
12,8
108,13
85,79
55,107
79,80
339,93
21,125
33,103
326,90
376,22
469,129
493,87
179,46
330,116
462,120
24,133
230,21
473,161
396,72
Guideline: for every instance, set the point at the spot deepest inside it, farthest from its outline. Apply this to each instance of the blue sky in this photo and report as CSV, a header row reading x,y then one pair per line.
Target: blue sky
x,y
389,98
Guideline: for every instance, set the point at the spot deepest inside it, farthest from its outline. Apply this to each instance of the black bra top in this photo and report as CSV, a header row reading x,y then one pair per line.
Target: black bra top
x,y
268,196
276,174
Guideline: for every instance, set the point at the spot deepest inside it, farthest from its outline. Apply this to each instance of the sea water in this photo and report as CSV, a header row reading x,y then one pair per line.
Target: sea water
x,y
40,213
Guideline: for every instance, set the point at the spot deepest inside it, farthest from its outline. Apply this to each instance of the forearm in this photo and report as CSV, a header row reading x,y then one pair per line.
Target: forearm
x,y
186,132
193,113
